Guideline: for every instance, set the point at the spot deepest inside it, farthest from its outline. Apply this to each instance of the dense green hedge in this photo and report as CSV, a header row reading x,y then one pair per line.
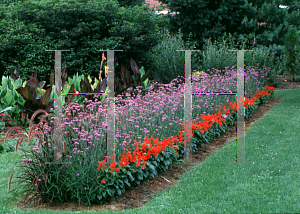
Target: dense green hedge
x,y
30,28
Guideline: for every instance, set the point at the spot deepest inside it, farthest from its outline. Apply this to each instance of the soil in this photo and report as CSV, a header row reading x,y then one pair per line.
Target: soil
x,y
139,196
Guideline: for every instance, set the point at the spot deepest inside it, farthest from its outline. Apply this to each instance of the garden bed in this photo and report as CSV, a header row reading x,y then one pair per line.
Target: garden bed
x,y
140,195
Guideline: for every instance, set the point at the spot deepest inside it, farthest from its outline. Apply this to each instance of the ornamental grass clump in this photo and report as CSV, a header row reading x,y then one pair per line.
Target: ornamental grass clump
x,y
63,181
144,129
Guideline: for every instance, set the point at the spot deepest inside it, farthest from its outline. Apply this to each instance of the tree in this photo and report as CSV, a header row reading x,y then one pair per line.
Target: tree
x,y
272,34
292,49
207,18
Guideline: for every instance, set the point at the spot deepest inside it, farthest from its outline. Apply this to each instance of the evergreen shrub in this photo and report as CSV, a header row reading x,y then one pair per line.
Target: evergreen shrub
x,y
32,27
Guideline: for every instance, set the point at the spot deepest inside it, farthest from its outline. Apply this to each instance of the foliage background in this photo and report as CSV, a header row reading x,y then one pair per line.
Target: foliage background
x,y
28,28
32,27
239,18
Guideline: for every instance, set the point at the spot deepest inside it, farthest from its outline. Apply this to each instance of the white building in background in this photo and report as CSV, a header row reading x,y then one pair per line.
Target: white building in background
x,y
281,6
156,5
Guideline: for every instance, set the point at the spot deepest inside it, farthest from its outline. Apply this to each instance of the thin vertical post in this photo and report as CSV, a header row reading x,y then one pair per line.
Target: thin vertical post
x,y
240,108
111,109
57,137
187,107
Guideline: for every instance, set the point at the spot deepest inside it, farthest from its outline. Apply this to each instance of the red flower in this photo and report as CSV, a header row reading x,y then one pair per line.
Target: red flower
x,y
142,152
101,165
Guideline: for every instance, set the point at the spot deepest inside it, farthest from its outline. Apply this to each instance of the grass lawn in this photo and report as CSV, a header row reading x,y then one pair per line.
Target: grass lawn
x,y
270,185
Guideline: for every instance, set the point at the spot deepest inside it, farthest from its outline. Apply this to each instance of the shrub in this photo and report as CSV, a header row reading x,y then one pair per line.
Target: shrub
x,y
297,78
92,26
292,50
216,56
168,63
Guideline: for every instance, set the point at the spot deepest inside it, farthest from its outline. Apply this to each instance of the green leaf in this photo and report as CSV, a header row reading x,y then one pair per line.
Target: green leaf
x,y
142,71
123,169
134,80
154,163
7,109
10,86
166,162
4,81
3,92
139,170
119,192
121,184
127,183
140,176
108,191
2,125
111,191
130,176
145,174
152,168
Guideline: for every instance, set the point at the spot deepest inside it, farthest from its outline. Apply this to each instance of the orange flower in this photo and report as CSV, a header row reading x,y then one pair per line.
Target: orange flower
x,y
102,181
118,169
112,166
149,147
101,165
